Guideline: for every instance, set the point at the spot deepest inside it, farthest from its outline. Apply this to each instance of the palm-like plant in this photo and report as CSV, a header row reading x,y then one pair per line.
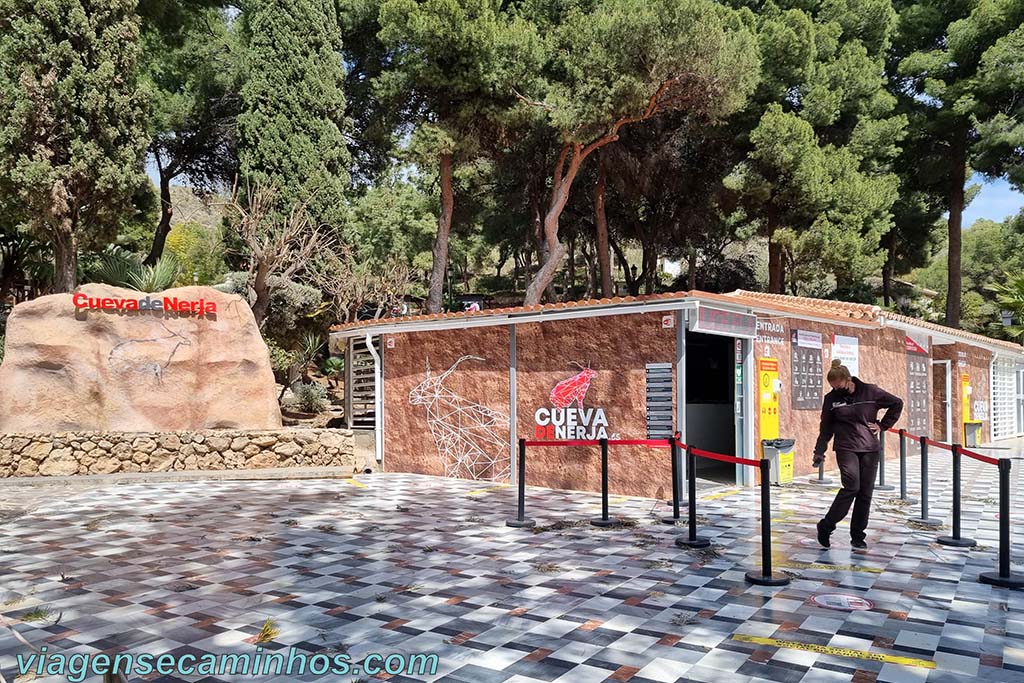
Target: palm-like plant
x,y
1010,295
122,268
155,278
333,368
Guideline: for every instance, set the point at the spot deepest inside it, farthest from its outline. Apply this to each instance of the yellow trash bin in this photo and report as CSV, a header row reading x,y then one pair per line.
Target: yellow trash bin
x,y
780,453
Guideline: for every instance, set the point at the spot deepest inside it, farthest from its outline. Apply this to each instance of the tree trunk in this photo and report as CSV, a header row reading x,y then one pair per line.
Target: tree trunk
x,y
631,283
958,178
650,268
563,179
691,264
65,258
435,295
11,260
569,294
601,223
776,269
889,269
588,271
163,228
543,248
262,288
776,265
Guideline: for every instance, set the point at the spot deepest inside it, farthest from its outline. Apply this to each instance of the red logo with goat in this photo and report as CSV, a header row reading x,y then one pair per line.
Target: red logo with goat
x,y
564,422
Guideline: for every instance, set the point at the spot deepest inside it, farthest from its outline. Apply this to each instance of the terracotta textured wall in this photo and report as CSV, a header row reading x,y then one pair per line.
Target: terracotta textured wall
x,y
882,356
618,349
409,445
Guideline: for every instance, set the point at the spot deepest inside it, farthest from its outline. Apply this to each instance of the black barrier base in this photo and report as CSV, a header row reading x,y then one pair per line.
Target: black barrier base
x,y
884,487
521,524
956,542
682,503
821,482
671,520
994,579
759,579
909,501
927,522
604,523
696,543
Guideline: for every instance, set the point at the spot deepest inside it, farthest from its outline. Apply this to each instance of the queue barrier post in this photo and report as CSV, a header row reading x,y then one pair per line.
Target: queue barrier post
x,y
692,540
765,577
1004,577
881,485
903,469
956,541
676,483
604,520
927,521
521,521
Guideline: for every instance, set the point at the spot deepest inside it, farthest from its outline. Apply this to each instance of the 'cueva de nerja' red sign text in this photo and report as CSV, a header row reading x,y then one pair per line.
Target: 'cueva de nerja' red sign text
x,y
166,303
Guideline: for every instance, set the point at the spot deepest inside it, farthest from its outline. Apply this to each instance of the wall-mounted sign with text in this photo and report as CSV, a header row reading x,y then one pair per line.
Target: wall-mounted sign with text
x,y
159,304
847,350
806,375
727,323
918,387
771,332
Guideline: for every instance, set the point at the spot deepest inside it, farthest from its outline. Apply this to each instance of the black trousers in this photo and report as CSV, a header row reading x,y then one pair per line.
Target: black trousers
x,y
858,471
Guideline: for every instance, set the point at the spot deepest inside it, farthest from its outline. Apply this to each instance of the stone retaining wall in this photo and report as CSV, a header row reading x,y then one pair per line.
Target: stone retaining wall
x,y
67,453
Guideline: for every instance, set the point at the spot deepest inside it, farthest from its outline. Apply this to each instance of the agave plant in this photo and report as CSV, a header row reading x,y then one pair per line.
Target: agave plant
x,y
122,268
155,278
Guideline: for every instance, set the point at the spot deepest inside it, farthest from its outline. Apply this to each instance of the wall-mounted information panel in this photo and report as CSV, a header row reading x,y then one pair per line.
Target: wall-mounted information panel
x,y
807,377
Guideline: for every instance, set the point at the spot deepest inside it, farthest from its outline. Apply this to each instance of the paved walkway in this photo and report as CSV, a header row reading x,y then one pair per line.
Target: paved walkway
x,y
413,564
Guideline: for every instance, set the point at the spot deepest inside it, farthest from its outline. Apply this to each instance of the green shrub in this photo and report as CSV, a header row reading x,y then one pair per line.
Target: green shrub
x,y
280,360
313,397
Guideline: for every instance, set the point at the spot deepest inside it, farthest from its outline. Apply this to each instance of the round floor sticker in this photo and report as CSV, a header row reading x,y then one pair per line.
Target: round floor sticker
x,y
846,603
809,543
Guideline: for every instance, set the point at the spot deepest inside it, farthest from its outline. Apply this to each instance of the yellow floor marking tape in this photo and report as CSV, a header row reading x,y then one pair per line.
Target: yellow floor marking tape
x,y
836,651
480,492
356,482
829,567
716,496
787,519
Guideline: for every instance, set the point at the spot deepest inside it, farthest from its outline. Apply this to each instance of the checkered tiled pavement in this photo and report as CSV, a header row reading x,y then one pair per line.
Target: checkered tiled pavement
x,y
415,564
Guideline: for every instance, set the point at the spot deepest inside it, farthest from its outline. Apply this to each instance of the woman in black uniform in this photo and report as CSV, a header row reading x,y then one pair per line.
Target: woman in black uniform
x,y
850,415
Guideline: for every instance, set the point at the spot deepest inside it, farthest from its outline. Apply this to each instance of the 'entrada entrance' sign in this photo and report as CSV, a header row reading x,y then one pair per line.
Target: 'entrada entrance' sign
x,y
166,303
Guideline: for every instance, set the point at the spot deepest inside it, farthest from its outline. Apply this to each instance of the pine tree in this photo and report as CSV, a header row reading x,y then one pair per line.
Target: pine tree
x,y
292,129
72,135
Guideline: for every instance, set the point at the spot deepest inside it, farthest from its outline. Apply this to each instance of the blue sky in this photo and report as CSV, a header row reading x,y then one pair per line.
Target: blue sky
x,y
996,201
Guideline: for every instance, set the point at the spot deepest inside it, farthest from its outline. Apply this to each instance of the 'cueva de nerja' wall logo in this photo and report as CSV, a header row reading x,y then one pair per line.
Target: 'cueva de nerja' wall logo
x,y
566,422
159,304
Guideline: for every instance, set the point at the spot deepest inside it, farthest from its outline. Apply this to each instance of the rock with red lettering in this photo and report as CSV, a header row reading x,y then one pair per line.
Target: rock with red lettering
x,y
112,359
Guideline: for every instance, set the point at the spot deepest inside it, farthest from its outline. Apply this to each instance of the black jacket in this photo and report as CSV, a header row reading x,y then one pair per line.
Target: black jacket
x,y
848,416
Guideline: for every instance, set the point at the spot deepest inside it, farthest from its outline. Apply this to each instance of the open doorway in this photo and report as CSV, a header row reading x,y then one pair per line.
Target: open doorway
x,y
710,409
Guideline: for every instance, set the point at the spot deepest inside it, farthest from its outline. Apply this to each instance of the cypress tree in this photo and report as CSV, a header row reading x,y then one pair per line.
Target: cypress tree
x,y
292,128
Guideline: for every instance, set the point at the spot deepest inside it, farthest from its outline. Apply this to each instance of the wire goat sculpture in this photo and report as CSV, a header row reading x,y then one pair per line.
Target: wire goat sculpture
x,y
472,439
